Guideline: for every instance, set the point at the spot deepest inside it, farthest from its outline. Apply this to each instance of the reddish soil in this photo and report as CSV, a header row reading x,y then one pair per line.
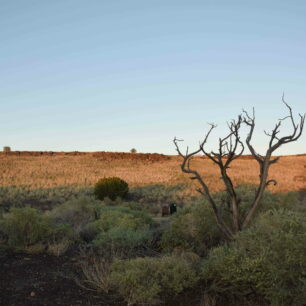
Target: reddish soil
x,y
40,280
44,280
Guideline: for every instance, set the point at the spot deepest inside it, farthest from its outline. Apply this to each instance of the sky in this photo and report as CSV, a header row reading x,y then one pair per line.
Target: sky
x,y
104,75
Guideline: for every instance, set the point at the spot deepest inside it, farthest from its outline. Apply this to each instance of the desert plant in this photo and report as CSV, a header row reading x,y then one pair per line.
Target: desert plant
x,y
26,229
41,198
230,148
126,241
152,197
59,247
121,229
96,270
77,212
150,280
266,260
111,217
133,151
192,228
111,187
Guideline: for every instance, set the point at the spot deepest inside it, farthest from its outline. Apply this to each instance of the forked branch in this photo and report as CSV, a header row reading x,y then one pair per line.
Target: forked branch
x,y
231,147
266,161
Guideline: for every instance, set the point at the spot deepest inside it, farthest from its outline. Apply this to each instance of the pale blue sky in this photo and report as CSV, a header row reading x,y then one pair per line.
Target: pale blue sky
x,y
111,75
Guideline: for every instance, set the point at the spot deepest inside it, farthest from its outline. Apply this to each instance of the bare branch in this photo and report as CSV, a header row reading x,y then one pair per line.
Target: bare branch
x,y
185,166
231,147
265,162
274,182
250,121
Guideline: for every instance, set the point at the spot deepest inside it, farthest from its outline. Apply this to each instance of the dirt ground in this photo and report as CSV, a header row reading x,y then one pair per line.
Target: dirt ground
x,y
39,280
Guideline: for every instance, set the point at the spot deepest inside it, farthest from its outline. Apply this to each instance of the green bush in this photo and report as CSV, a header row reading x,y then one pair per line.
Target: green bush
x,y
26,229
246,193
193,228
121,229
151,280
267,260
111,217
77,212
111,187
124,241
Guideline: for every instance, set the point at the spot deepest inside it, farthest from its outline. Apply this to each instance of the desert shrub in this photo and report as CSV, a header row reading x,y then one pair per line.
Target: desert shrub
x,y
111,187
151,280
58,247
96,270
152,197
26,229
133,205
121,229
41,198
125,241
246,193
123,203
192,228
290,201
110,217
77,212
157,193
266,260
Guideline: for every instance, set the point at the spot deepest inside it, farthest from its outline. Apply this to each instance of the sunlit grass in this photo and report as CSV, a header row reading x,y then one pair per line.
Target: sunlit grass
x,y
84,170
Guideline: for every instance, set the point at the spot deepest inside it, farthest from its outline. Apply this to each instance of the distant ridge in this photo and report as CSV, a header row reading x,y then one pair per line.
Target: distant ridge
x,y
100,155
116,155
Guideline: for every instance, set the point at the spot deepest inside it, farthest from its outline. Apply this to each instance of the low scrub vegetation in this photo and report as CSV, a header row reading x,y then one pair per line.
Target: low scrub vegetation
x,y
267,260
26,229
77,213
127,250
40,198
152,280
122,230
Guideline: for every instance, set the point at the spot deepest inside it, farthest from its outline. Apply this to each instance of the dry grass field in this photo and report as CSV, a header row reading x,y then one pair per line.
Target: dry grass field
x,y
44,170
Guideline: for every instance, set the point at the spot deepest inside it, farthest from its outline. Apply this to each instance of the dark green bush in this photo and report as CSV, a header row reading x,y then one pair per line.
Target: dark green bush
x,y
266,260
151,280
111,187
26,229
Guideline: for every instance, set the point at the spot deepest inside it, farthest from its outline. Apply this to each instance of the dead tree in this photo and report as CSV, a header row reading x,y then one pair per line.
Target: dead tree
x,y
231,147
